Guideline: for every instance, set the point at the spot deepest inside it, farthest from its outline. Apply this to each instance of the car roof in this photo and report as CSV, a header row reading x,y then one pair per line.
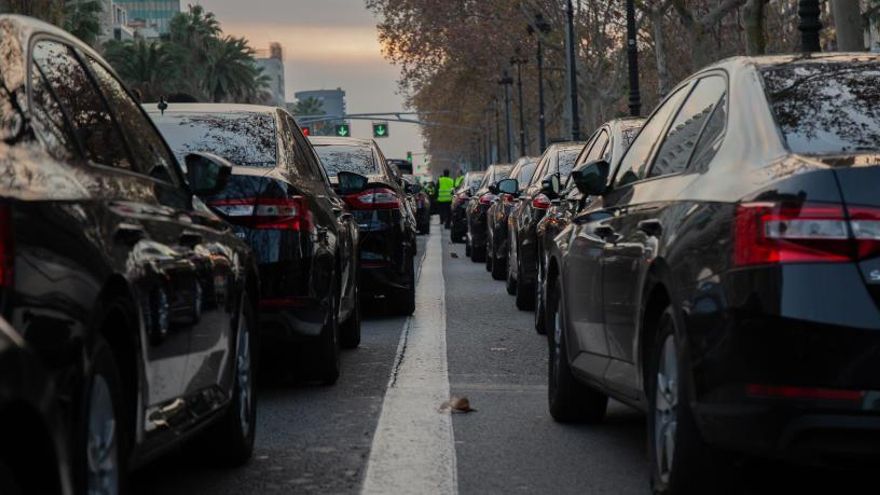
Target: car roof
x,y
339,141
209,108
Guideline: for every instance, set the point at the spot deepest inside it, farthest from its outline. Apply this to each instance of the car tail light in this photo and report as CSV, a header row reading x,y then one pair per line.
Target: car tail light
x,y
7,251
769,233
865,225
507,198
487,199
380,198
268,213
459,199
541,202
808,393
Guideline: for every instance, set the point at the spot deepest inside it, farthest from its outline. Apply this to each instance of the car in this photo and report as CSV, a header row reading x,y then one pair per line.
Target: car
x,y
421,204
103,243
476,208
608,143
387,226
460,196
496,221
279,201
723,278
528,209
404,166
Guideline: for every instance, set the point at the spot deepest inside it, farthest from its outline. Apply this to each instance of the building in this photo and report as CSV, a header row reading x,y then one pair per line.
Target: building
x,y
272,64
149,15
114,22
333,100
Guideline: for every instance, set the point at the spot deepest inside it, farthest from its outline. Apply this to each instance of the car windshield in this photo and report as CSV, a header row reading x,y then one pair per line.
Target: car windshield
x,y
347,158
825,108
526,173
245,139
567,158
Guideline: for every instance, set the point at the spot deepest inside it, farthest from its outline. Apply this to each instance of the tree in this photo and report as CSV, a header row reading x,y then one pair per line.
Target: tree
x,y
848,25
47,10
151,68
82,18
231,74
309,106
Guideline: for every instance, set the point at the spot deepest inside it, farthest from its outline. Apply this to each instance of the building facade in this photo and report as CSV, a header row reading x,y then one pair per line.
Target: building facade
x,y
114,22
151,14
272,65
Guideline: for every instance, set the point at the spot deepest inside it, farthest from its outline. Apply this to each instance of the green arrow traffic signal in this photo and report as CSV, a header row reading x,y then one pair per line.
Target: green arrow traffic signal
x,y
342,130
380,130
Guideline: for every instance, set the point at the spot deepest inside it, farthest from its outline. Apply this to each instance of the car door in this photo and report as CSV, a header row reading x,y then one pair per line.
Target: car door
x,y
639,212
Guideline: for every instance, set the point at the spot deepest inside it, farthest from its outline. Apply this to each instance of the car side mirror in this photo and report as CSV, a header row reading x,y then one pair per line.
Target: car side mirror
x,y
493,188
550,186
207,173
508,186
412,188
351,183
592,180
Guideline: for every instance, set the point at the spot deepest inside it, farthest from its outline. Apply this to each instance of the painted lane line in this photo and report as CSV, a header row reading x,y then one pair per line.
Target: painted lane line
x,y
413,449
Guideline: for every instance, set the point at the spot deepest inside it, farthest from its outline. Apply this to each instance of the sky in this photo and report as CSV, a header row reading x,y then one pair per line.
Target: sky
x,y
327,44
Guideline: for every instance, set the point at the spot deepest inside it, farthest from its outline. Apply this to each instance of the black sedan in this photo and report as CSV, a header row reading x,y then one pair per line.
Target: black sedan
x,y
608,143
103,245
421,204
496,221
386,223
477,206
281,203
529,208
460,196
725,277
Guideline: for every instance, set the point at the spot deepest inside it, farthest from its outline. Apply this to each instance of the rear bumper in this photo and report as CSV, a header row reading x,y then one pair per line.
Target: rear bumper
x,y
384,251
459,220
381,281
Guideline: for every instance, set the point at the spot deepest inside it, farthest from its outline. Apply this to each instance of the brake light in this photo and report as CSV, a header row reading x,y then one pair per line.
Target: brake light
x,y
541,202
380,198
487,199
459,199
507,198
769,233
268,213
7,251
809,393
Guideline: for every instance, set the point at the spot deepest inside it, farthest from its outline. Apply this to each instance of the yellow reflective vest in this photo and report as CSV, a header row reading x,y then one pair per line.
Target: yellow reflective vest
x,y
444,189
459,180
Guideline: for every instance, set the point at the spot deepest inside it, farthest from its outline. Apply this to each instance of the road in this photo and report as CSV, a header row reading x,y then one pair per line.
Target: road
x,y
314,439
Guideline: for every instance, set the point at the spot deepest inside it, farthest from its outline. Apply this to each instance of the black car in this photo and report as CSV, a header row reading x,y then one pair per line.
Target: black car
x,y
460,196
280,202
496,221
477,206
421,204
608,143
529,208
725,277
386,223
137,300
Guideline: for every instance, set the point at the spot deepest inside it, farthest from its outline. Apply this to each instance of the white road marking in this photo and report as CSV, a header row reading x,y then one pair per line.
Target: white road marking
x,y
413,448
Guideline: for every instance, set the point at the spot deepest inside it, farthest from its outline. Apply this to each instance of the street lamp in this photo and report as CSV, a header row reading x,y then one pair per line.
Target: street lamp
x,y
507,81
810,25
572,64
540,28
632,51
519,61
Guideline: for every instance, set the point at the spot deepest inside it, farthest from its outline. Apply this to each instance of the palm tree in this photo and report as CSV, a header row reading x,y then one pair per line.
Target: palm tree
x,y
309,106
195,29
151,68
231,74
82,19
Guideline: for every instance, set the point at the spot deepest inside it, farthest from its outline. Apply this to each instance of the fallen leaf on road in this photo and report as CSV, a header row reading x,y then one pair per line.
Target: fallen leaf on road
x,y
454,255
457,405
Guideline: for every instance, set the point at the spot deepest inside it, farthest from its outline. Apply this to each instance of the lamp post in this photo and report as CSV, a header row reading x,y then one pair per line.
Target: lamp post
x,y
519,61
809,25
632,51
572,64
507,81
540,28
497,130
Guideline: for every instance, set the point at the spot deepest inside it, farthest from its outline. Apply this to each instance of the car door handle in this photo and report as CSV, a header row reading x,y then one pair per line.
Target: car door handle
x,y
129,233
652,227
190,238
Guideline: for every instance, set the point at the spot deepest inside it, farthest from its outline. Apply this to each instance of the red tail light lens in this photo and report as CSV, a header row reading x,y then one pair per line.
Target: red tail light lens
x,y
487,199
374,199
786,392
268,213
541,202
769,233
507,198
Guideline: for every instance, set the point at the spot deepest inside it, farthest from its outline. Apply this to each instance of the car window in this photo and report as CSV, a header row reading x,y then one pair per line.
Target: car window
x,y
542,169
681,138
304,152
598,147
347,158
80,100
711,138
288,152
826,107
565,161
632,168
49,121
147,147
526,173
246,139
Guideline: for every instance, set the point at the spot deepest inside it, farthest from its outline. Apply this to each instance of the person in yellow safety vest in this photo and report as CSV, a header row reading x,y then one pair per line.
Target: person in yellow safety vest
x,y
459,179
444,198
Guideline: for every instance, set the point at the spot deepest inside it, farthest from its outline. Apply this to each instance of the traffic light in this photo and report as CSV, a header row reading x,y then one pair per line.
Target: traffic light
x,y
380,129
307,131
409,156
342,130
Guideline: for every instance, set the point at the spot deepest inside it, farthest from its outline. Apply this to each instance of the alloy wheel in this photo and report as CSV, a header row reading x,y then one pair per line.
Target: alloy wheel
x,y
102,450
243,374
665,408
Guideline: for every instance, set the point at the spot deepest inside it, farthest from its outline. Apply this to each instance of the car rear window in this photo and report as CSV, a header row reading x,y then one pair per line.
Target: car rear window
x,y
343,158
245,139
567,158
826,108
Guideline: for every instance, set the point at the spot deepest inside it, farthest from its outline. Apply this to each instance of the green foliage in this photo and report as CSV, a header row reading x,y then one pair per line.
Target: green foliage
x,y
82,18
309,106
151,68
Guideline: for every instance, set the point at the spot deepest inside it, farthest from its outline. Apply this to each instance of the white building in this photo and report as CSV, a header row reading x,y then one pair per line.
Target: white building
x,y
272,64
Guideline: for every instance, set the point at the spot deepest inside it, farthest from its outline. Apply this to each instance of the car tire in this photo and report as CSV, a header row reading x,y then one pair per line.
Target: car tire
x,y
692,468
540,291
525,293
511,282
488,257
102,450
568,399
405,303
350,331
230,441
329,364
478,254
467,248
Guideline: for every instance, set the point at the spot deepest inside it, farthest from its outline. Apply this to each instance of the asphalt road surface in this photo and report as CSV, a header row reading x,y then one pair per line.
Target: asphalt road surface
x,y
382,427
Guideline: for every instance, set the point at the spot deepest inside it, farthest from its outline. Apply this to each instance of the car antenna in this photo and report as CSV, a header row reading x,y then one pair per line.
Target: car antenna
x,y
163,105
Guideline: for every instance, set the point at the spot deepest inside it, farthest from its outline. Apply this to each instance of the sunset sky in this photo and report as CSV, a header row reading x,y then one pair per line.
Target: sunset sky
x,y
327,44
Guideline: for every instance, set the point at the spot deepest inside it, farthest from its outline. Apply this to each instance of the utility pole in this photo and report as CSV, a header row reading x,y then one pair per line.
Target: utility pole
x,y
497,130
810,25
632,51
507,81
523,145
541,27
572,64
